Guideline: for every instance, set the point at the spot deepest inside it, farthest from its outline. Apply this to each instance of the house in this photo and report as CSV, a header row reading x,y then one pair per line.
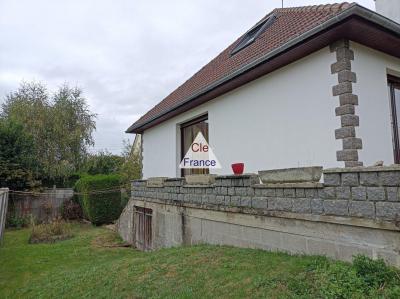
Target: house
x,y
313,85
316,85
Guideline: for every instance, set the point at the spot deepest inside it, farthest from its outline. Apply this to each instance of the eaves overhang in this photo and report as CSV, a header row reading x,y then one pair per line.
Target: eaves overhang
x,y
356,23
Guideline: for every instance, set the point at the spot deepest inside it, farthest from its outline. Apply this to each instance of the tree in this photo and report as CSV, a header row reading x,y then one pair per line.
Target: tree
x,y
61,126
103,163
132,167
18,163
73,124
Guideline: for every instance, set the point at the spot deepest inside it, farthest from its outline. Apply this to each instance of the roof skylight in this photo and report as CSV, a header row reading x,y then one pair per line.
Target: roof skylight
x,y
252,34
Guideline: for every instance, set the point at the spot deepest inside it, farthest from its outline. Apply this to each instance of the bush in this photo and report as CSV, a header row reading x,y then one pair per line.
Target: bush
x,y
18,163
375,273
18,222
124,198
365,278
339,280
98,206
50,232
71,210
103,163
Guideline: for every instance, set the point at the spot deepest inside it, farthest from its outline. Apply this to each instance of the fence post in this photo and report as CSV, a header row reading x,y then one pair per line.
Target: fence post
x,y
3,211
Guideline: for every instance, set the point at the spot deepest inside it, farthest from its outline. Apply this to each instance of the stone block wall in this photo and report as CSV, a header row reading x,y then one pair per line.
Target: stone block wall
x,y
355,211
370,193
347,102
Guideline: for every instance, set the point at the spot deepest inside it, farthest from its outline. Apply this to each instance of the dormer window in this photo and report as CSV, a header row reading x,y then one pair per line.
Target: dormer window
x,y
252,34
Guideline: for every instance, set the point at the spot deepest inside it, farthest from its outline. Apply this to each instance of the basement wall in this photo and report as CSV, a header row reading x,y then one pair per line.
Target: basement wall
x,y
356,211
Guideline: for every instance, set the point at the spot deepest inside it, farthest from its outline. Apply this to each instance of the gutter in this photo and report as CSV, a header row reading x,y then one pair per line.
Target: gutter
x,y
354,10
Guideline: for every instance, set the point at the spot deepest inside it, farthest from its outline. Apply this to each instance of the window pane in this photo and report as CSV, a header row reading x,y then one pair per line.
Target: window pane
x,y
188,134
394,88
397,99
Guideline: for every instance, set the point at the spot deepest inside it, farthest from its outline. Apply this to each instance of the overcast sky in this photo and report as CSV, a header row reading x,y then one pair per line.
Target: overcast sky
x,y
126,55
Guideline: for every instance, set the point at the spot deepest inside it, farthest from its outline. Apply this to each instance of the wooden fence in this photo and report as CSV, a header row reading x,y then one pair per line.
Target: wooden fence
x,y
3,210
41,206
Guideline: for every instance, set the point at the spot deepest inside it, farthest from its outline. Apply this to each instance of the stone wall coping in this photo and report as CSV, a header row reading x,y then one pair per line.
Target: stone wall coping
x,y
291,185
343,220
305,185
363,169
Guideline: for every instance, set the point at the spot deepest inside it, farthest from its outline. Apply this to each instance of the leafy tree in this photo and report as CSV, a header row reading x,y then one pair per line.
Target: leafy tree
x,y
132,166
73,125
103,163
60,124
18,163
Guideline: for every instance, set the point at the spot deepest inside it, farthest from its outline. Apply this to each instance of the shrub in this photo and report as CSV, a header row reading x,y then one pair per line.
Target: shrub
x,y
375,273
18,222
365,278
131,169
103,163
339,280
50,232
99,206
124,198
71,210
18,163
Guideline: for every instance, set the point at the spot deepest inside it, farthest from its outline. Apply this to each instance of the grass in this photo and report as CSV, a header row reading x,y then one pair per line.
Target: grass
x,y
90,266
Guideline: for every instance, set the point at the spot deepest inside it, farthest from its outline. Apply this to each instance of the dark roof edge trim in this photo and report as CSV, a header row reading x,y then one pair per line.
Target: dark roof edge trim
x,y
354,10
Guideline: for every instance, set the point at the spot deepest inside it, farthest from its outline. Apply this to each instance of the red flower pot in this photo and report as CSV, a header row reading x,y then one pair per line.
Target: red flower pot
x,y
238,168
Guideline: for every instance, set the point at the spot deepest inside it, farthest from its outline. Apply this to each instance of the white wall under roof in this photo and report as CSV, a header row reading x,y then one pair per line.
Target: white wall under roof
x,y
284,119
372,68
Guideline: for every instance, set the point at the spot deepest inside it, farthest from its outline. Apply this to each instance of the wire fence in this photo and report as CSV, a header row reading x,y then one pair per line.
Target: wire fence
x,y
42,206
33,193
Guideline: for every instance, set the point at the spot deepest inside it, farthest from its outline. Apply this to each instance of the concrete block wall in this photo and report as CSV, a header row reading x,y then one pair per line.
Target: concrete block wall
x,y
372,192
346,110
355,211
175,225
367,192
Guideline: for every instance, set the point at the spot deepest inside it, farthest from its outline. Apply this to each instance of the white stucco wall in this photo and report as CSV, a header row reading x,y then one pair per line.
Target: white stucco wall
x,y
375,128
284,119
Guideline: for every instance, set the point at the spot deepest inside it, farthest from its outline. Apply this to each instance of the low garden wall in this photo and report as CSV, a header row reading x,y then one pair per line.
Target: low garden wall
x,y
355,210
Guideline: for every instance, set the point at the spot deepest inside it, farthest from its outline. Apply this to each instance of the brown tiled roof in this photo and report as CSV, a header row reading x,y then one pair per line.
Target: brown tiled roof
x,y
290,23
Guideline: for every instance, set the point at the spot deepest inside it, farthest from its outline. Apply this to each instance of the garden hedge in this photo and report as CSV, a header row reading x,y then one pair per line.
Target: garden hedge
x,y
104,207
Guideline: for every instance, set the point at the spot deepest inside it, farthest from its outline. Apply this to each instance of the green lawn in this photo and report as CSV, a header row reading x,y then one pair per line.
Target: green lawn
x,y
86,266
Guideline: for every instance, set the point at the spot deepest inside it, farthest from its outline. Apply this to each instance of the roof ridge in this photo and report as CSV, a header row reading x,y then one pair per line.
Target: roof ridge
x,y
328,7
291,22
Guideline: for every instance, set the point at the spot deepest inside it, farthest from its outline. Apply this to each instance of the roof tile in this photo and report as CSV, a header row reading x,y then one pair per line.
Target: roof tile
x,y
290,23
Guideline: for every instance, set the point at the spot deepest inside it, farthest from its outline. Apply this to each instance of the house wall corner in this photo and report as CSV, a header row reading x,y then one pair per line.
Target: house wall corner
x,y
347,101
